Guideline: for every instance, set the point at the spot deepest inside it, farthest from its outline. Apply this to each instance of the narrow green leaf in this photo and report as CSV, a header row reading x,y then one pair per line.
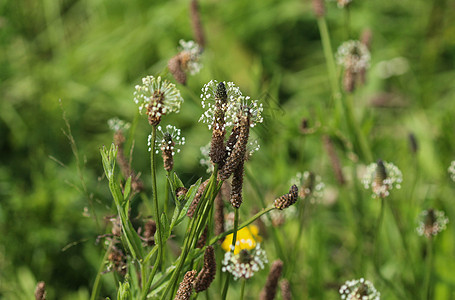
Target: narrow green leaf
x,y
127,190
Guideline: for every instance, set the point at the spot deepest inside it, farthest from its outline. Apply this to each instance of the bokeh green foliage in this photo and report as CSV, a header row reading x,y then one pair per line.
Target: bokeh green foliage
x,y
80,60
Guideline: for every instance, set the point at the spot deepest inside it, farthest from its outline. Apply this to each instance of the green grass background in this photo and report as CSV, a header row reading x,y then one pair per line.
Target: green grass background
x,y
80,60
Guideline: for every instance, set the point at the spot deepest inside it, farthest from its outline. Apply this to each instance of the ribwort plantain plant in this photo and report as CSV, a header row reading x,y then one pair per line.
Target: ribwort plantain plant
x,y
145,270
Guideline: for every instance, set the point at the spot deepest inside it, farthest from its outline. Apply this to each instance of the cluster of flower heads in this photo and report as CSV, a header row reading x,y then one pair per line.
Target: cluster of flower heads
x,y
236,104
311,186
382,177
359,289
190,56
353,55
245,263
157,97
170,139
452,170
115,124
210,103
431,222
251,107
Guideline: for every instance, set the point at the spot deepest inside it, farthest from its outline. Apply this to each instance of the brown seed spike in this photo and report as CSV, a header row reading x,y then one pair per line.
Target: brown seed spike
x,y
233,137
285,289
40,291
155,109
208,272
197,198
287,199
149,232
175,67
238,153
186,286
381,173
269,290
202,239
414,145
294,192
319,8
237,186
217,147
349,80
196,23
334,159
181,191
167,152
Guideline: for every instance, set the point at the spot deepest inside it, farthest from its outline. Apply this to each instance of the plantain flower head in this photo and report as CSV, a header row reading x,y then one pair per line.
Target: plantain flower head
x,y
157,98
431,222
359,289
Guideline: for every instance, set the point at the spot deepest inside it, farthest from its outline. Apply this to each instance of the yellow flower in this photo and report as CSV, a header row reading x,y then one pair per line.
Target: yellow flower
x,y
247,238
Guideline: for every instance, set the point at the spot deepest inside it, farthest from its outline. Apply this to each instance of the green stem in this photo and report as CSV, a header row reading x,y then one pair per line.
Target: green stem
x,y
356,130
402,233
97,285
347,21
146,288
194,227
243,225
376,260
154,189
341,106
331,67
242,290
378,230
429,271
166,195
234,240
159,241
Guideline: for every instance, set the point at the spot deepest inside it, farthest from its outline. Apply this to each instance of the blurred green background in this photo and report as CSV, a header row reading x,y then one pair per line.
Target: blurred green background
x,y
80,59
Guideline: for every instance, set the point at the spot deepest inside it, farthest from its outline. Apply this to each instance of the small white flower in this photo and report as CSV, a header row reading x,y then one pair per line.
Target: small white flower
x,y
252,108
209,103
169,139
310,186
157,97
359,289
431,222
382,186
245,263
205,160
115,124
191,53
353,55
452,170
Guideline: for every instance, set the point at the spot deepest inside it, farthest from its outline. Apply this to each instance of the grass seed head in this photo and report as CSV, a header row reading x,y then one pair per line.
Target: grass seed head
x,y
40,291
208,272
288,199
175,67
186,286
285,290
196,23
269,290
